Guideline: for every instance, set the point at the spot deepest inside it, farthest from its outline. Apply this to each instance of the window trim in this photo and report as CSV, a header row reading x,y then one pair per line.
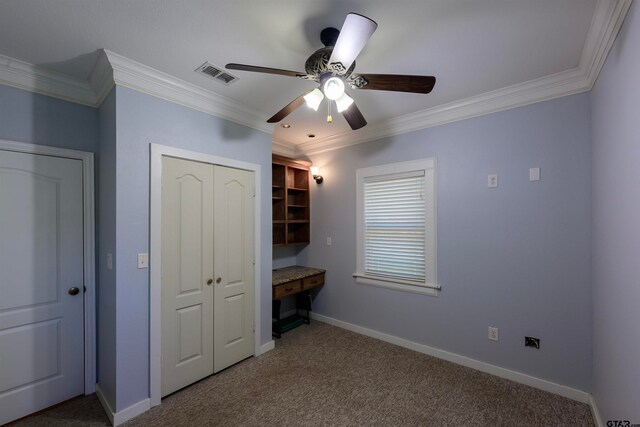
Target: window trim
x,y
431,286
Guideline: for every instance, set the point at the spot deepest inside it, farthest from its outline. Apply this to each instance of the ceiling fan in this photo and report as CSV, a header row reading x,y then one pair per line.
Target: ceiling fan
x,y
332,66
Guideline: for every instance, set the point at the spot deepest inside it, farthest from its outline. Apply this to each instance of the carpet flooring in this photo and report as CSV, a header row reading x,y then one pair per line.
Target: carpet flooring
x,y
320,375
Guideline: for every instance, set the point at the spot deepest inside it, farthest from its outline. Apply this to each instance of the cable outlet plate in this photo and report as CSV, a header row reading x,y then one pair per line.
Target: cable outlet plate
x,y
532,342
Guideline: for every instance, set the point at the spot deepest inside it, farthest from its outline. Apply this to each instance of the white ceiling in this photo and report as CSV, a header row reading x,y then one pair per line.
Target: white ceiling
x,y
471,46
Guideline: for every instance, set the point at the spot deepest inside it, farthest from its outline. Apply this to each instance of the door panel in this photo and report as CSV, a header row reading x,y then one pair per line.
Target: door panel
x,y
233,240
187,265
190,320
41,257
37,342
234,312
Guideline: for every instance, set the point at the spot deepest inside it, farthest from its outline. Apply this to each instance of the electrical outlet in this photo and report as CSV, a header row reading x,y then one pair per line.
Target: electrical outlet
x,y
532,342
492,181
109,261
328,241
493,333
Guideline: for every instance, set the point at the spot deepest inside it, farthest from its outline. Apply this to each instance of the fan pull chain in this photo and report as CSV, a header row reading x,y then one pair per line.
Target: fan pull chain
x,y
329,118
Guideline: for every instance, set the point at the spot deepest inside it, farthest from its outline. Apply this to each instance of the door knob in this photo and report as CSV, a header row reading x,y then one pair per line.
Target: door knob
x,y
209,282
73,291
218,280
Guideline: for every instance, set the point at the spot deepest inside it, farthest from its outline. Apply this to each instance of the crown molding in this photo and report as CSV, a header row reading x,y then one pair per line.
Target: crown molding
x,y
142,78
283,148
33,78
546,88
113,69
605,25
101,78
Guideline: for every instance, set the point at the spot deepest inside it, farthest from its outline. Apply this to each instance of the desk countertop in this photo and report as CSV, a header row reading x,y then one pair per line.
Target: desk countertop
x,y
295,272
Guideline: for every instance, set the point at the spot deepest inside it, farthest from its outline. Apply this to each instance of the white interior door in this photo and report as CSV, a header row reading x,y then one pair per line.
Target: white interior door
x,y
187,273
233,254
41,258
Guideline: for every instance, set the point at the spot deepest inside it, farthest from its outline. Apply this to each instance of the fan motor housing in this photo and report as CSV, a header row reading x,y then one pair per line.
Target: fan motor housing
x,y
318,63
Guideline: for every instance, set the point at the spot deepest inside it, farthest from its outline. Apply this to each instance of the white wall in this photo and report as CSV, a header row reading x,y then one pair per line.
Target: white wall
x,y
615,104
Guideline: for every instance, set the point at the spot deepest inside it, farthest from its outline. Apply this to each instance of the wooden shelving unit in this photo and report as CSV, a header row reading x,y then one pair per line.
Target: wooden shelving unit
x,y
291,204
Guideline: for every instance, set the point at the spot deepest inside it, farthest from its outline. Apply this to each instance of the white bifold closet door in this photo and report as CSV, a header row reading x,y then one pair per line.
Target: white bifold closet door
x,y
207,270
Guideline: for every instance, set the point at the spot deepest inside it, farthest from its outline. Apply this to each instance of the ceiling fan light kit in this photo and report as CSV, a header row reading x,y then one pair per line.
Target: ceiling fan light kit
x,y
314,98
343,102
332,66
333,88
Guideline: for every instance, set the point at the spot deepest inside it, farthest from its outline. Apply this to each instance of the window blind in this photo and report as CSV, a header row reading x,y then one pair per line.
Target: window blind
x,y
394,226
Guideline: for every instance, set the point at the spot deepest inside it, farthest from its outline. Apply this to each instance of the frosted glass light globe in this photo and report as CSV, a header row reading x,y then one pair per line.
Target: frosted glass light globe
x,y
333,88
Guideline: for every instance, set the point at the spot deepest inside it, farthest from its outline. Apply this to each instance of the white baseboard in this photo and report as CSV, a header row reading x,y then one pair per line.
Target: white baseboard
x,y
126,414
105,403
267,347
597,420
131,412
561,390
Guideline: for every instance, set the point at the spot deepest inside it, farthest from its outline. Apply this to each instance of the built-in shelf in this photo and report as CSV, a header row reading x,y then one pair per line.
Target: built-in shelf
x,y
291,207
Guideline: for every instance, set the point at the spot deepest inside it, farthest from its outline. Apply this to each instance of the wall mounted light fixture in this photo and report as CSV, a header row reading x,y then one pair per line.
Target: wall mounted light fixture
x,y
315,172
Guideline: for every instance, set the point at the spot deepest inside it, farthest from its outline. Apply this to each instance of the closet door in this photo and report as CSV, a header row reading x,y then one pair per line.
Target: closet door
x,y
187,272
234,259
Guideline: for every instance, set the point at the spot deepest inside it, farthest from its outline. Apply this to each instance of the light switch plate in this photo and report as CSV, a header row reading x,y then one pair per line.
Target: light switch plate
x,y
534,174
109,261
328,241
143,260
492,181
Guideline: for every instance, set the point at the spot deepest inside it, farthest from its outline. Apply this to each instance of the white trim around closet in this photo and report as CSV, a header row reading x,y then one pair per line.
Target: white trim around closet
x,y
155,253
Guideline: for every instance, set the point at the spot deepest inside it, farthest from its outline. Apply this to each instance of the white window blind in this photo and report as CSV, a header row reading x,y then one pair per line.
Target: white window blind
x,y
394,226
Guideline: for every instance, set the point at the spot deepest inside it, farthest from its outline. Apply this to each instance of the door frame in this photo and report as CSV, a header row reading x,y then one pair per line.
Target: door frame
x,y
89,245
155,252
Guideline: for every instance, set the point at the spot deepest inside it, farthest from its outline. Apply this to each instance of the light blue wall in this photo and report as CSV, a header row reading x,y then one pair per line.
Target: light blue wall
x,y
516,257
616,231
284,256
39,119
142,120
106,213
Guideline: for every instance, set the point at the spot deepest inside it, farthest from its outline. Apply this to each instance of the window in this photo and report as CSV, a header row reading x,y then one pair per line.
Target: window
x,y
396,226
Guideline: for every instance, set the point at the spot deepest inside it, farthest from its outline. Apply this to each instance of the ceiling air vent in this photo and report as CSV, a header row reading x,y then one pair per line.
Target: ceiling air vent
x,y
216,73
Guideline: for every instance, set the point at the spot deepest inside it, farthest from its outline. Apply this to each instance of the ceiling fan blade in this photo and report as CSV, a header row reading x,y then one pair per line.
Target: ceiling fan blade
x,y
393,82
355,33
354,117
256,69
288,109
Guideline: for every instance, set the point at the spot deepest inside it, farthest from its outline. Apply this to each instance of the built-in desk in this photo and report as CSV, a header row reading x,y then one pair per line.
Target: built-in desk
x,y
296,280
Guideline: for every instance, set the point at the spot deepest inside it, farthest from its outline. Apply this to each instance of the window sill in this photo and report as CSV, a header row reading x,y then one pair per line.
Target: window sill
x,y
361,279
